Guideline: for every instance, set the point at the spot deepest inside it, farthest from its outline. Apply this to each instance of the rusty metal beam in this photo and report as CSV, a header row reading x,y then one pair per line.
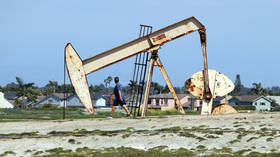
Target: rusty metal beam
x,y
148,85
141,44
207,96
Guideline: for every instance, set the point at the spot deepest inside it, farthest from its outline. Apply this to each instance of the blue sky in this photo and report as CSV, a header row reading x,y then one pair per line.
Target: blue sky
x,y
243,37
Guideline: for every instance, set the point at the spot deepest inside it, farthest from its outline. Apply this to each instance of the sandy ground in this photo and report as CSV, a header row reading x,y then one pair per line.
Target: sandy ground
x,y
263,123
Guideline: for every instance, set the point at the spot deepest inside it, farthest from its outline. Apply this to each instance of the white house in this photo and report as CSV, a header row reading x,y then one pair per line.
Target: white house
x,y
101,102
73,101
55,99
4,103
262,104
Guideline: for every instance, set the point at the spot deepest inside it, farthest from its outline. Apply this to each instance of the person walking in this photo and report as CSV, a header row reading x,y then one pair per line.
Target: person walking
x,y
119,98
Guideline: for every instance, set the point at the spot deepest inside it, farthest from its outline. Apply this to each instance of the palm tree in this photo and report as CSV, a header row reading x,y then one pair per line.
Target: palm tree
x,y
109,78
258,89
53,85
22,88
27,90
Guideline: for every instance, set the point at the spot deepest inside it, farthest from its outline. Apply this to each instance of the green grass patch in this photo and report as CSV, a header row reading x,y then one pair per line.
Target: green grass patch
x,y
252,138
234,141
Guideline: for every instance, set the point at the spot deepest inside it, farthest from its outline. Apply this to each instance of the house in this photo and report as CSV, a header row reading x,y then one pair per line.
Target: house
x,y
261,103
166,101
54,99
242,100
74,101
57,100
102,102
10,96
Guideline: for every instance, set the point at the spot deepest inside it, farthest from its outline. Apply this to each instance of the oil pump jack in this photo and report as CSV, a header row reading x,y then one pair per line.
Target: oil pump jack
x,y
198,84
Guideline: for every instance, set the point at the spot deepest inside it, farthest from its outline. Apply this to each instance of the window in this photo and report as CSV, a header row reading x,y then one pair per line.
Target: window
x,y
262,103
50,101
256,103
157,102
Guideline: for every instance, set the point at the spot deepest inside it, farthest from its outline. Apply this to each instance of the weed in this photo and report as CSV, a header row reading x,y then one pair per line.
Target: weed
x,y
269,139
72,141
187,134
252,138
241,152
223,150
202,126
241,135
7,153
237,125
125,135
173,129
234,141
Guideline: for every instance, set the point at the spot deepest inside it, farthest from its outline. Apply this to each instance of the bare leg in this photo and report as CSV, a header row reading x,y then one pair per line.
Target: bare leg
x,y
113,110
126,109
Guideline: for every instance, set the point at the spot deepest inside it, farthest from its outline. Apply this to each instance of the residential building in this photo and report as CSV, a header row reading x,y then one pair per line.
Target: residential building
x,y
74,101
166,101
261,103
242,100
57,100
54,99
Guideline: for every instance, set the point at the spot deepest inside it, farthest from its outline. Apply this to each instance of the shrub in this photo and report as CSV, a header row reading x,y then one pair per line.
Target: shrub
x,y
245,107
277,108
50,105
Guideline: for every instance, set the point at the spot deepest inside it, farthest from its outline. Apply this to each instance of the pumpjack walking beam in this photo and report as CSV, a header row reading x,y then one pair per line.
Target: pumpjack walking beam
x,y
78,68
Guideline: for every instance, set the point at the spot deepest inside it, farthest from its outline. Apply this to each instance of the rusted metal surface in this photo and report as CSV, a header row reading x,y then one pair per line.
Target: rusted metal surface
x,y
207,93
142,44
148,85
219,85
77,77
224,109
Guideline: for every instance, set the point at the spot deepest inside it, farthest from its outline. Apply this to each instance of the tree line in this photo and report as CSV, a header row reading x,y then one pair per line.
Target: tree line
x,y
256,89
31,92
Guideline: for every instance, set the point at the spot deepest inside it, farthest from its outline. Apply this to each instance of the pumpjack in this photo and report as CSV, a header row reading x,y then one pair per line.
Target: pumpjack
x,y
206,84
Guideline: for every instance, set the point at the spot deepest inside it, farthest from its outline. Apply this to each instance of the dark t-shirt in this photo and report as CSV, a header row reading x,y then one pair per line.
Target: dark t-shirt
x,y
116,91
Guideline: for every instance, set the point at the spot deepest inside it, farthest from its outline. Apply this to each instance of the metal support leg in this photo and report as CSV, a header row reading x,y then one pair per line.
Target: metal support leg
x,y
170,86
148,85
207,95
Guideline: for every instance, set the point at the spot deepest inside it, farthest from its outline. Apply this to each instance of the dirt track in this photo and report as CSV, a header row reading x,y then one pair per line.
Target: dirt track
x,y
254,131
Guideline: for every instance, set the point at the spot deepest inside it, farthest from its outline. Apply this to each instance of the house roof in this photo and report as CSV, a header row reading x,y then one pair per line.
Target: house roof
x,y
169,96
263,98
246,98
61,95
39,98
10,95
